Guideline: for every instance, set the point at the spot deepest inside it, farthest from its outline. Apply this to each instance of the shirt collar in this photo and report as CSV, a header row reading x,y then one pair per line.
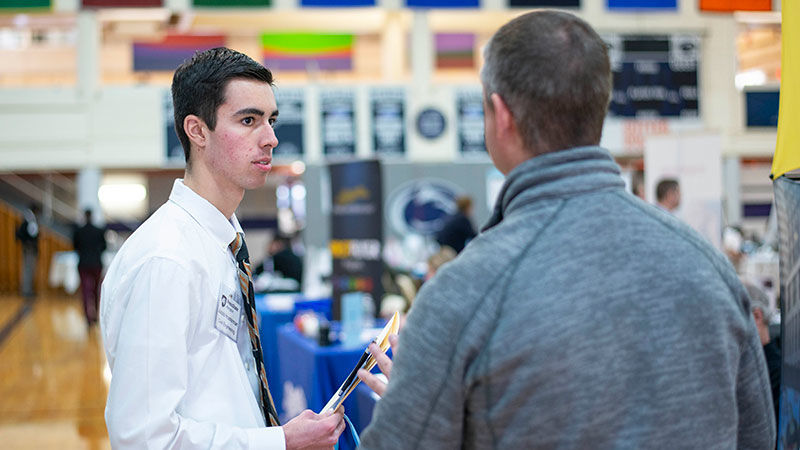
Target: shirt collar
x,y
206,214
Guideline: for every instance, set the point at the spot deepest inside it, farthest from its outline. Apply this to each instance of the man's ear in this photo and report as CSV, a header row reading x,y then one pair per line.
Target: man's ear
x,y
504,120
196,129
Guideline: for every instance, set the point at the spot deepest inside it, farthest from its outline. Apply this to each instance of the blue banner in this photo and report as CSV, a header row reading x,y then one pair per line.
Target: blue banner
x,y
643,4
443,3
544,3
762,108
388,121
336,3
289,126
338,123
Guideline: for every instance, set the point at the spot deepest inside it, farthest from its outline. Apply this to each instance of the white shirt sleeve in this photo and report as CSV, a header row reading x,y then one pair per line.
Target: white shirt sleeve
x,y
150,370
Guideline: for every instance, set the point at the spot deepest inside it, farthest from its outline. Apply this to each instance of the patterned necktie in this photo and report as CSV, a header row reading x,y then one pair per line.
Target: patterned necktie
x,y
239,249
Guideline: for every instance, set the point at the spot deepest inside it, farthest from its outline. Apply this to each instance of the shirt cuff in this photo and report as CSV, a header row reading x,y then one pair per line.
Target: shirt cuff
x,y
266,438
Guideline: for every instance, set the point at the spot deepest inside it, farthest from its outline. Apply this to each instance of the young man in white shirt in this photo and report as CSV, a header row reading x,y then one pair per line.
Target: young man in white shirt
x,y
174,317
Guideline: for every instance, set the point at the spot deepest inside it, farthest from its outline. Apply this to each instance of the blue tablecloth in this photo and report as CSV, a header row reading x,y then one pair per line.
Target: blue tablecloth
x,y
275,310
311,375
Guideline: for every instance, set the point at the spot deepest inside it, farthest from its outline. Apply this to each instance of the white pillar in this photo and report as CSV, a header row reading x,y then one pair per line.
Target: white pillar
x,y
87,186
88,54
422,49
731,190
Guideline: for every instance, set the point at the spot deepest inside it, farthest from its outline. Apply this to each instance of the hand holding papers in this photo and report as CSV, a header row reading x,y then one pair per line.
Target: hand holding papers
x,y
366,362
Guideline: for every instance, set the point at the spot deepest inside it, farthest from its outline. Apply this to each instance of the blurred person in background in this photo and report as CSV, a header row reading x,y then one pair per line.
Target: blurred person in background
x,y
458,229
762,315
28,235
282,260
668,195
90,243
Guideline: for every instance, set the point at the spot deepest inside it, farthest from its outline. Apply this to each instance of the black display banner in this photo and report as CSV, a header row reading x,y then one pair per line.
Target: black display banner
x,y
388,121
469,104
356,230
787,202
338,123
654,75
289,127
174,149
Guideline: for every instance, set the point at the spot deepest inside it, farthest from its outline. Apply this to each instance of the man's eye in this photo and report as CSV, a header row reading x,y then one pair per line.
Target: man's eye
x,y
272,121
248,121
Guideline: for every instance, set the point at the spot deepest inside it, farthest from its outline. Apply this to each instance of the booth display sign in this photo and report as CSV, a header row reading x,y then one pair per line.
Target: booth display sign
x,y
421,206
174,150
469,105
654,75
172,51
356,229
388,121
338,123
289,126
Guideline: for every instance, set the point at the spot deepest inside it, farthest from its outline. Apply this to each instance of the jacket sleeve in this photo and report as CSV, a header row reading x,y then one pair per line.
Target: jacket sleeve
x,y
424,405
150,369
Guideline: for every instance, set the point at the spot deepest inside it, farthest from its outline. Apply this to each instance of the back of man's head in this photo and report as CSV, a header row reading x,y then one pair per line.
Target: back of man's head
x,y
759,300
198,86
552,70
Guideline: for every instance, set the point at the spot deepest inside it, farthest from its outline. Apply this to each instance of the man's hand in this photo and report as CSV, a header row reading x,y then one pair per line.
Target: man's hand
x,y
310,431
384,363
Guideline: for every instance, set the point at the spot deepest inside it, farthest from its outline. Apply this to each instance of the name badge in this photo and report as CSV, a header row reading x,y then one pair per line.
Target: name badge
x,y
228,315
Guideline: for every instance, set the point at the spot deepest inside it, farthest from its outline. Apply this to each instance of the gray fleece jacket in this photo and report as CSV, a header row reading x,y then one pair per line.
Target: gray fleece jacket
x,y
579,318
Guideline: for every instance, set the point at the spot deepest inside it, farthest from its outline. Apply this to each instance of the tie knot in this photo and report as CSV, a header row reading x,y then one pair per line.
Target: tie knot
x,y
239,248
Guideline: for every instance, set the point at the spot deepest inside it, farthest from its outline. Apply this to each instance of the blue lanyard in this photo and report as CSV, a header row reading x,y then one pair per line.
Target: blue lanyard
x,y
353,433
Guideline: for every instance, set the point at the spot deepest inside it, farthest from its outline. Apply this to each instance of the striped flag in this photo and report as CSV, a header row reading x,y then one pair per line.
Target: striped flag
x,y
173,50
304,51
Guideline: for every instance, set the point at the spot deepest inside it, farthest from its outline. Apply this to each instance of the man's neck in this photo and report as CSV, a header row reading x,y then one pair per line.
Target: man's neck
x,y
202,183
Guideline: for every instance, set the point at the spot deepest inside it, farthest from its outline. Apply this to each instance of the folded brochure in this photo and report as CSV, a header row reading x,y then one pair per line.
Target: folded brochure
x,y
366,362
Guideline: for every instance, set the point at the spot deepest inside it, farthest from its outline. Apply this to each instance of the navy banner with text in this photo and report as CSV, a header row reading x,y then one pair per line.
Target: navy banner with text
x,y
356,230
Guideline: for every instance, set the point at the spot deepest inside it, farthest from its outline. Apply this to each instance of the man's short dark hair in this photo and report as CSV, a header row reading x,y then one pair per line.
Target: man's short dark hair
x,y
664,187
198,86
552,70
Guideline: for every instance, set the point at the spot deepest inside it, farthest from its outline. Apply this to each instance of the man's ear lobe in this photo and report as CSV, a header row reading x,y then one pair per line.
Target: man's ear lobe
x,y
196,129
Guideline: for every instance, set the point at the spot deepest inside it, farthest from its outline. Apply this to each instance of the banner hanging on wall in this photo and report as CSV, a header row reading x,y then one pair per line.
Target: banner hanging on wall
x,y
469,107
455,50
544,3
356,230
654,75
388,121
443,3
336,3
338,123
24,4
643,4
230,3
289,126
172,51
307,51
735,5
122,3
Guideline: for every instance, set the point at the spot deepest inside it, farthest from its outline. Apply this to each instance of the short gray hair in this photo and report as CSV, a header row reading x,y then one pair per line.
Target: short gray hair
x,y
552,70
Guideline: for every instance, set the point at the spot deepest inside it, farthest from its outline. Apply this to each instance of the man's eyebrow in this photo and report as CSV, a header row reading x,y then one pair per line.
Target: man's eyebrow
x,y
244,111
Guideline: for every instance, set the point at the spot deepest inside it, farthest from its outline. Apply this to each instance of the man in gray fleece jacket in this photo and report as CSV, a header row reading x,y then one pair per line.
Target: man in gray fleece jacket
x,y
580,317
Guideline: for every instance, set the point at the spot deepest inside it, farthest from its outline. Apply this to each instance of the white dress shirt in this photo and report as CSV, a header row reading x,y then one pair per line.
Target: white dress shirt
x,y
177,380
